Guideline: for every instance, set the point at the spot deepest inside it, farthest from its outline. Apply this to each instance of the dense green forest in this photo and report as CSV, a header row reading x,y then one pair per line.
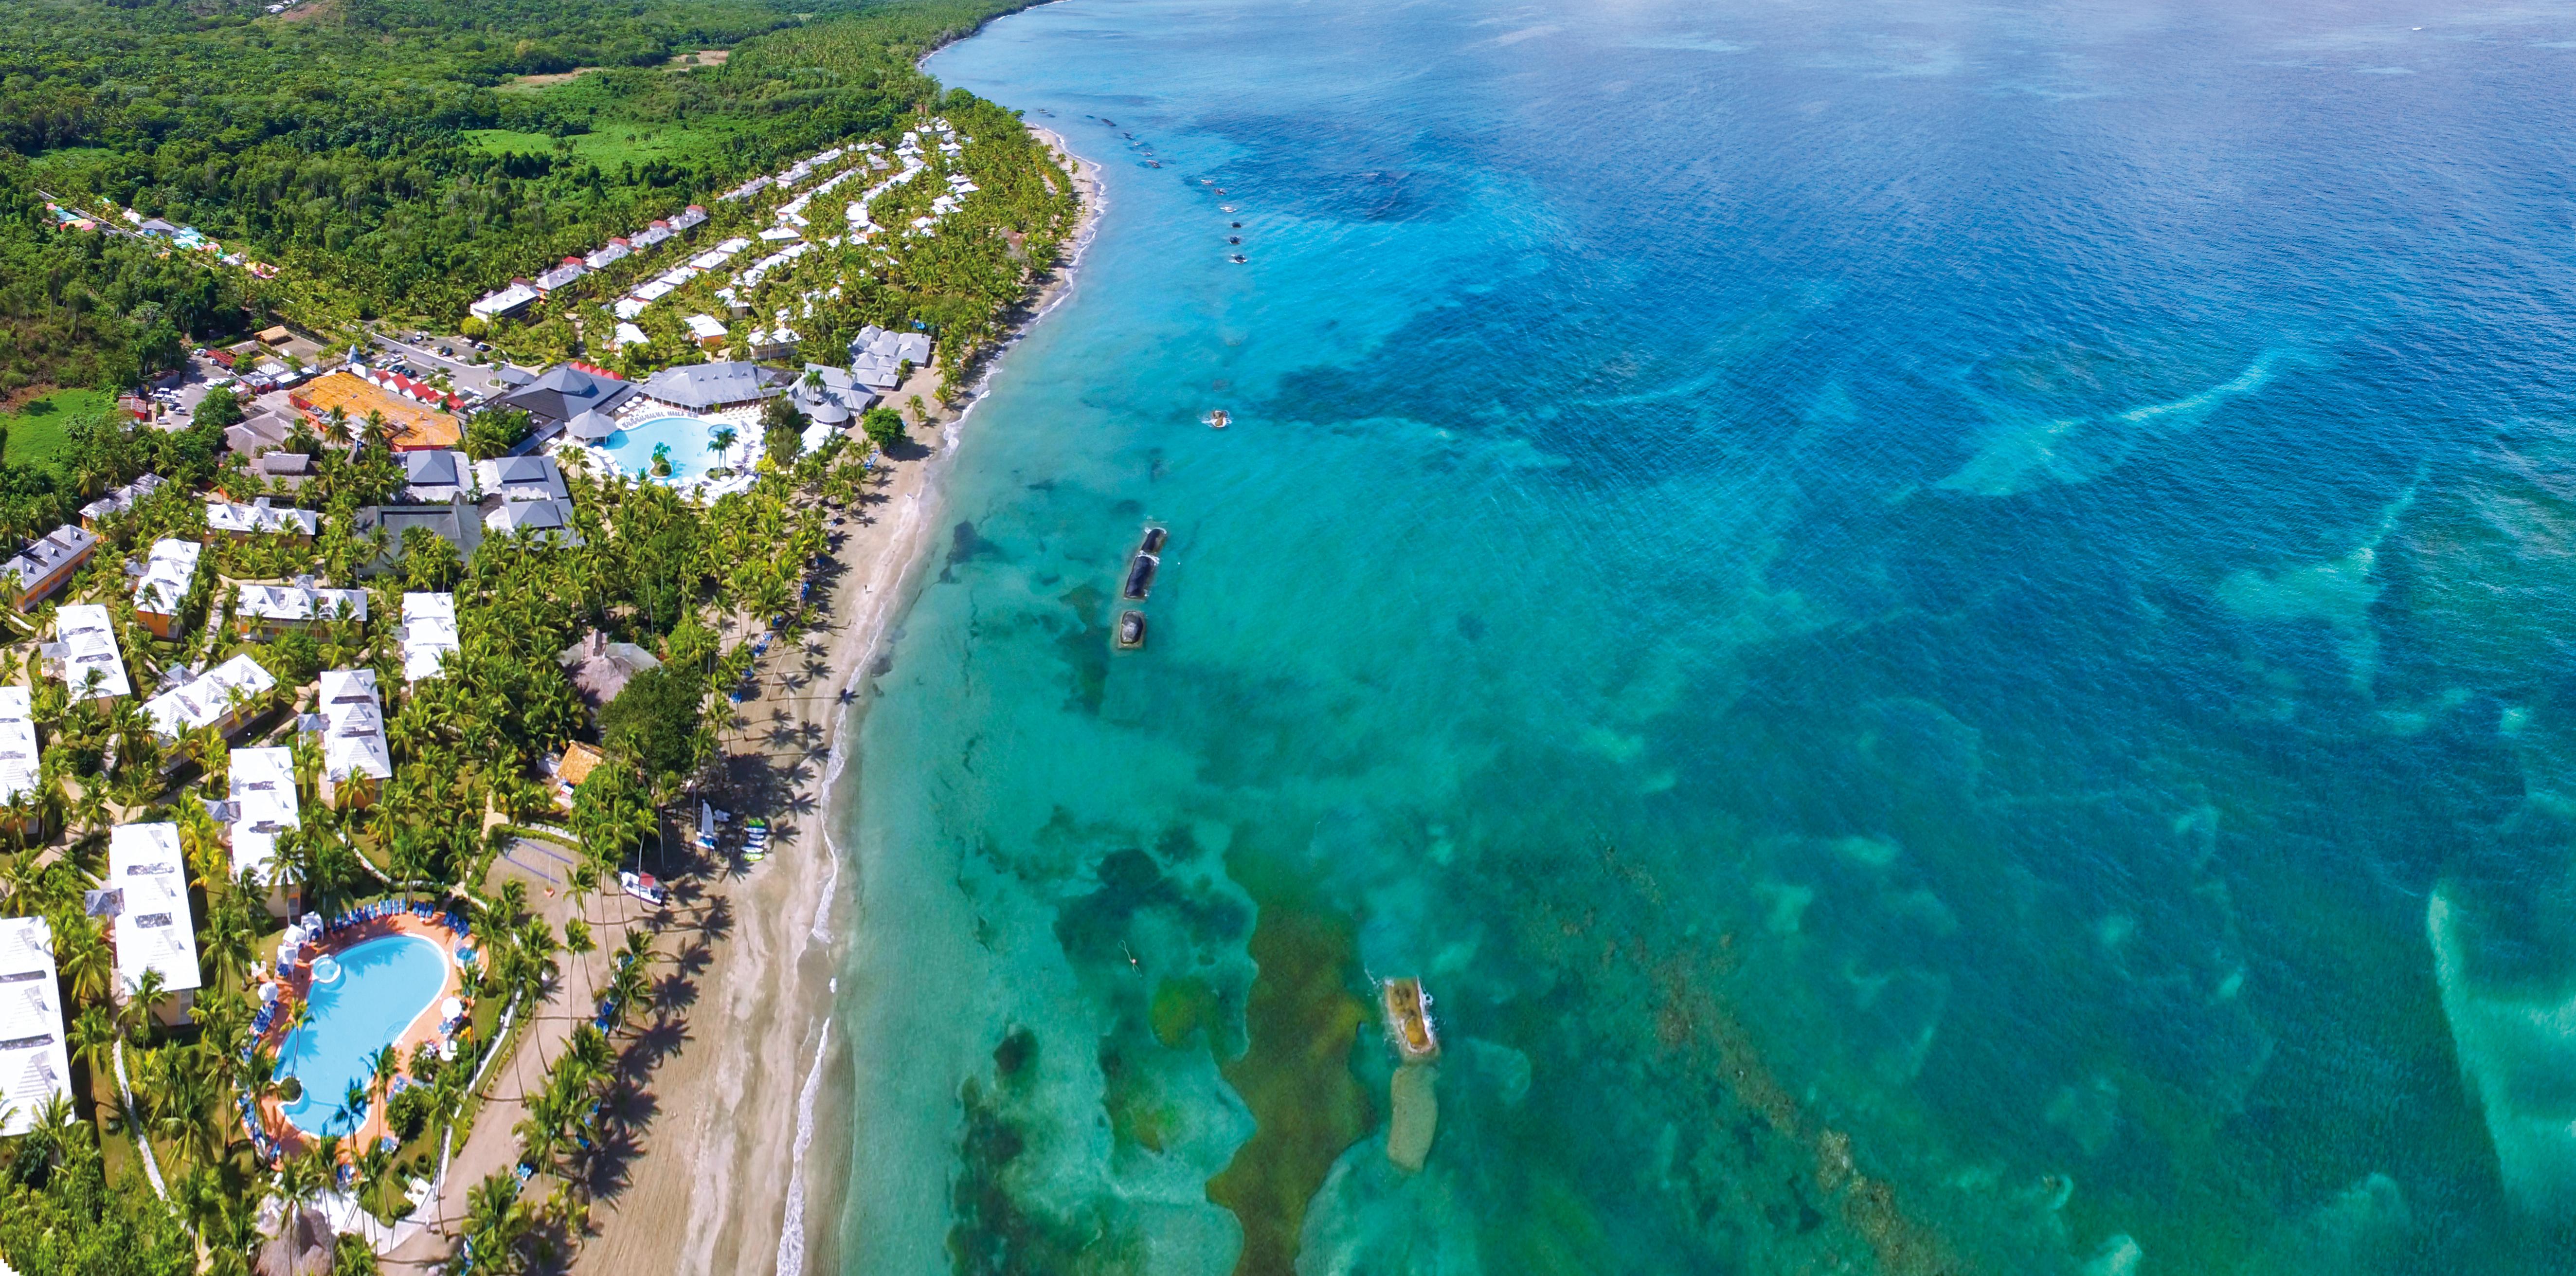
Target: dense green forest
x,y
388,155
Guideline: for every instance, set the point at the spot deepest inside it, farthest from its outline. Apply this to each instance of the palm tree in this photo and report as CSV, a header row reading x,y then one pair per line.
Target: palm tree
x,y
87,962
495,1222
381,1067
336,429
300,1180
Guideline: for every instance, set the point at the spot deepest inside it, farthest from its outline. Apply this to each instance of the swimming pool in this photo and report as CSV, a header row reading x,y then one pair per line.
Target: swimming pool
x,y
630,449
380,987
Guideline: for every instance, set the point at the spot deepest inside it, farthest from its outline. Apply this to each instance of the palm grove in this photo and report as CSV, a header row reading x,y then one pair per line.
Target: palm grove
x,y
338,145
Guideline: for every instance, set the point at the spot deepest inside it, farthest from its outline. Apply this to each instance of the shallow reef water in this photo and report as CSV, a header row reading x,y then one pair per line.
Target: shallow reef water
x,y
1942,631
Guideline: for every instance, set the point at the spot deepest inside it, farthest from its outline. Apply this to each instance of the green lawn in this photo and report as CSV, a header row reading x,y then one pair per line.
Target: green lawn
x,y
614,142
36,430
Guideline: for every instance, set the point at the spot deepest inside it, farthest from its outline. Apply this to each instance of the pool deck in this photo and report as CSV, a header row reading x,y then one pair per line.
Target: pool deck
x,y
423,1027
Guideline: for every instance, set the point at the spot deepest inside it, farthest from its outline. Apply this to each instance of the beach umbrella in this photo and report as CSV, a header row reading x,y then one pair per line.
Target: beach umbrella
x,y
591,426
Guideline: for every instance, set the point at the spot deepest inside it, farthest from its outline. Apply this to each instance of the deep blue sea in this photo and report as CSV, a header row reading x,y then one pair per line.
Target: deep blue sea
x,y
1943,630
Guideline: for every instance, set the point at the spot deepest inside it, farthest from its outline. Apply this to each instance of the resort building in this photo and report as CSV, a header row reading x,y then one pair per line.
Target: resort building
x,y
713,387
84,653
355,757
259,432
458,524
629,335
220,697
169,576
118,501
689,217
561,275
264,804
642,239
415,425
154,928
707,330
285,471
543,521
265,611
260,518
775,342
829,393
47,564
35,1066
521,478
615,250
575,766
436,477
428,634
19,761
565,391
505,303
877,356
599,669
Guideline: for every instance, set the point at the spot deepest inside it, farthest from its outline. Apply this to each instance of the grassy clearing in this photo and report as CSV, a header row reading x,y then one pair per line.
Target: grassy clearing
x,y
37,430
613,143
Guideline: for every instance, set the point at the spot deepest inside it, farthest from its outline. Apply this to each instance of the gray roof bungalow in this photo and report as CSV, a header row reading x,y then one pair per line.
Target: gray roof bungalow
x,y
435,477
709,387
689,217
565,391
458,523
562,275
119,501
259,432
876,353
522,478
614,250
831,396
537,520
509,301
46,564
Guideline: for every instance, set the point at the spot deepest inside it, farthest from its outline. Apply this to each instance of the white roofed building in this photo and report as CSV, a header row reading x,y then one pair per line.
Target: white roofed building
x,y
169,575
264,805
85,643
428,634
217,698
18,755
508,301
35,1064
355,757
265,611
154,928
259,518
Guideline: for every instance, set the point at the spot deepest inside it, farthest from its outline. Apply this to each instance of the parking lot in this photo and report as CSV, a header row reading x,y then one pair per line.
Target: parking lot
x,y
448,356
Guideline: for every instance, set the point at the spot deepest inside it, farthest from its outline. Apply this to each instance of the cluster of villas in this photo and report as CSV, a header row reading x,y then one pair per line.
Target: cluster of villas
x,y
515,299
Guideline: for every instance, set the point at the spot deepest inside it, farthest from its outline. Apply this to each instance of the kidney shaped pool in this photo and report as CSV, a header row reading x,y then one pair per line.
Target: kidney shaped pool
x,y
362,999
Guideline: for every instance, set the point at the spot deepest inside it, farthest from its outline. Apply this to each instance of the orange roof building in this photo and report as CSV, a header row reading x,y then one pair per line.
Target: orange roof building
x,y
415,427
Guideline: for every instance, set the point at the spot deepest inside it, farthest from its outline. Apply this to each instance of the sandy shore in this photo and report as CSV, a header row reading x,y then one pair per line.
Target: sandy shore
x,y
732,1148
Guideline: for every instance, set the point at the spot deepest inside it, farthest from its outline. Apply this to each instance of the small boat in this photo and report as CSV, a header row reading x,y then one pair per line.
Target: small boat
x,y
1408,1019
1131,630
1220,190
1234,239
1153,542
1140,577
1235,225
1217,420
1238,259
1225,208
1153,163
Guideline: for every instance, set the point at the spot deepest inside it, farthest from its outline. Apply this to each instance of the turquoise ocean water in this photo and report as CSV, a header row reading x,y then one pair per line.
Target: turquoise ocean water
x,y
1943,630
